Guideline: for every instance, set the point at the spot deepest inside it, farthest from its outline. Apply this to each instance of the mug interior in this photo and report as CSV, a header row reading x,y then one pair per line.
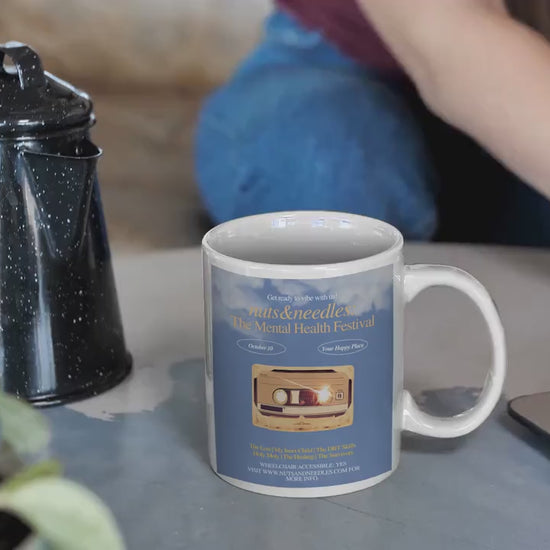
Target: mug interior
x,y
303,238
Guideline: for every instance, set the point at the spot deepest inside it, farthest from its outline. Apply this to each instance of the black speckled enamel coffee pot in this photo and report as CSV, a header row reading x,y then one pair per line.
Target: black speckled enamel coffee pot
x,y
61,334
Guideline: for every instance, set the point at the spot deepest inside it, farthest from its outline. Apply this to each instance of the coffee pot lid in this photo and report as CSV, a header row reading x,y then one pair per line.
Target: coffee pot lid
x,y
34,102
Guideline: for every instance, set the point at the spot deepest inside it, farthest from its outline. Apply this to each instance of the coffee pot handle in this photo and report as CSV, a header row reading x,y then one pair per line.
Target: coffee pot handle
x,y
27,63
420,277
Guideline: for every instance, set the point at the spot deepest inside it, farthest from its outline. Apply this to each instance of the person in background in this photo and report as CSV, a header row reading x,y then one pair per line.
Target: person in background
x,y
328,113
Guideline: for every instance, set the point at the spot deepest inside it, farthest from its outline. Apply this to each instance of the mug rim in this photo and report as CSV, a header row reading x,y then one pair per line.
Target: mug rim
x,y
303,271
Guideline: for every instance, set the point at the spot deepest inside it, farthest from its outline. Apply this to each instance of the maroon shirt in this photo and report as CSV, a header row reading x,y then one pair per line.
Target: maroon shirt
x,y
342,23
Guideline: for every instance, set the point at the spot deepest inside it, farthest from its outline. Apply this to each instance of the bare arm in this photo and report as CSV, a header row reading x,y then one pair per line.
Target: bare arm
x,y
480,71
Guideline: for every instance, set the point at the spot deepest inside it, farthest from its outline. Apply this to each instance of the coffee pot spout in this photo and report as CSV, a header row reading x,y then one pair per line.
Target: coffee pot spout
x,y
56,191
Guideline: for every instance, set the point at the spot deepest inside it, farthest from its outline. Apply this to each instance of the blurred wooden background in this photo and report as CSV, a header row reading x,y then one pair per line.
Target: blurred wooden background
x,y
147,65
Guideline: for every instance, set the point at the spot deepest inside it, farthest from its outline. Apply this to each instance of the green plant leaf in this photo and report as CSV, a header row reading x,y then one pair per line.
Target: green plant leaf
x,y
23,428
10,461
32,543
47,468
64,514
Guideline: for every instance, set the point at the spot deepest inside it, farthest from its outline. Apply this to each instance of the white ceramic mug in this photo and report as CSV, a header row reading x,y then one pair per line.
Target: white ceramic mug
x,y
304,358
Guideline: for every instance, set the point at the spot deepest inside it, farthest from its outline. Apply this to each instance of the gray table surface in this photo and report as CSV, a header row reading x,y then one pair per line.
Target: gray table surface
x,y
142,446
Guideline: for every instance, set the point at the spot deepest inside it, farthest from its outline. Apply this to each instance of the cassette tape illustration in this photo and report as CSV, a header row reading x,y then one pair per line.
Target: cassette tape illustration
x,y
299,399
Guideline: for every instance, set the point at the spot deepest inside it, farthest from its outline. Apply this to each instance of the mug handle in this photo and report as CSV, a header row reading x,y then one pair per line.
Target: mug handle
x,y
416,279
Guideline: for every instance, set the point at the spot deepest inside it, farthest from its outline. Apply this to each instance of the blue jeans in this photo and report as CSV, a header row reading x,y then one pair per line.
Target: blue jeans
x,y
301,126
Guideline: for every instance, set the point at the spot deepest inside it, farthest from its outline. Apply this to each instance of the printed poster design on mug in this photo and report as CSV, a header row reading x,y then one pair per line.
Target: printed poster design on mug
x,y
296,399
303,378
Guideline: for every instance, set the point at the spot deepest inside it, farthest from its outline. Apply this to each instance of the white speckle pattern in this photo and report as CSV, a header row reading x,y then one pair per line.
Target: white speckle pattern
x,y
61,334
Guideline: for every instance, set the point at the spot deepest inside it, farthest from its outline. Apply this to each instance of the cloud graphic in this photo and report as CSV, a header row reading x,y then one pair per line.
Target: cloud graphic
x,y
363,291
235,294
289,287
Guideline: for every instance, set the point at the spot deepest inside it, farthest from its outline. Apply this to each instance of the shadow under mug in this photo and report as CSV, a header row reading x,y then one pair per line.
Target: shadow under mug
x,y
304,357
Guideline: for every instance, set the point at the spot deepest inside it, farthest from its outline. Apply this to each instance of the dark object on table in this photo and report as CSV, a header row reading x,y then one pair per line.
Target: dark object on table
x,y
61,334
12,532
532,411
